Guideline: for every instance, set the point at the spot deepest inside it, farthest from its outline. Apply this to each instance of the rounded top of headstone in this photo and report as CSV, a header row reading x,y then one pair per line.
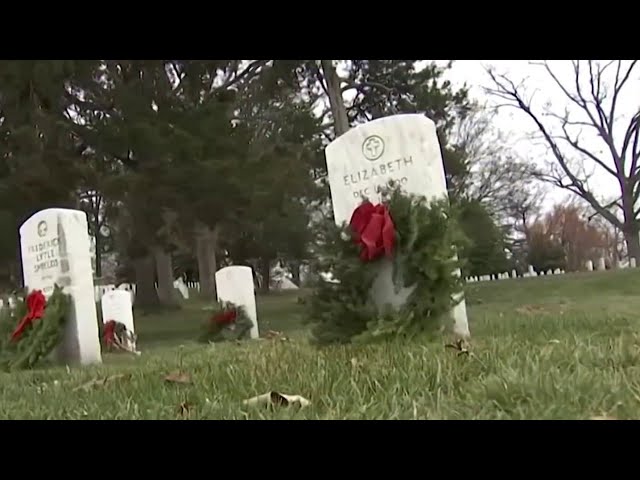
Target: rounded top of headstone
x,y
117,293
41,218
235,268
372,143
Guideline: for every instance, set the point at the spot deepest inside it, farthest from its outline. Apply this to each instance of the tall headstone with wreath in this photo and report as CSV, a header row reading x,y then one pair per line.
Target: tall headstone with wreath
x,y
234,285
392,248
58,314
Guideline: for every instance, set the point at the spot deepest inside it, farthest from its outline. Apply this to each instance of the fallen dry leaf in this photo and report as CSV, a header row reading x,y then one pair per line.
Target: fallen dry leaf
x,y
178,377
276,398
537,309
530,309
185,408
275,335
45,386
99,382
546,350
549,347
461,346
603,417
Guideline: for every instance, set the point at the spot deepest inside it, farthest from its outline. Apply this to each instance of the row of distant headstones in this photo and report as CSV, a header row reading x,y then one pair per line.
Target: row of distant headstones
x,y
100,290
131,287
601,265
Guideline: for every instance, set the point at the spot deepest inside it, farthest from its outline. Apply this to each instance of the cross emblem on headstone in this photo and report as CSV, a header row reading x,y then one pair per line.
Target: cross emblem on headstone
x,y
373,147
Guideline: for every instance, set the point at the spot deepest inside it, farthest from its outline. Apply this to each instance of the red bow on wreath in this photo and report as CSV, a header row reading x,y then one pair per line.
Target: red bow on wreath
x,y
225,317
109,334
36,303
374,229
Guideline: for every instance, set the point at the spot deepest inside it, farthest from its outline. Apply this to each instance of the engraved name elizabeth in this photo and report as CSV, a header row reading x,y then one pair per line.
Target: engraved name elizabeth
x,y
373,149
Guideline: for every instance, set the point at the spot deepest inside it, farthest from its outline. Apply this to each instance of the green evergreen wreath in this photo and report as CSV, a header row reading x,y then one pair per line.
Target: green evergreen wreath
x,y
227,322
24,342
423,254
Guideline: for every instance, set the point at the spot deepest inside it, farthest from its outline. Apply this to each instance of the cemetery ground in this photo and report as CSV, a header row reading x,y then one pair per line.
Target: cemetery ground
x,y
559,347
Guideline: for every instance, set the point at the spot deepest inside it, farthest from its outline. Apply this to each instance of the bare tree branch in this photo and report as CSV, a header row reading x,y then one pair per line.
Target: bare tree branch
x,y
584,151
598,100
506,89
321,79
359,84
618,87
632,131
250,70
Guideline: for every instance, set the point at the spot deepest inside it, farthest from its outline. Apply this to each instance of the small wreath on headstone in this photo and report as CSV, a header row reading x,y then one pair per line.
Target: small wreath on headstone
x,y
32,330
116,336
418,237
227,322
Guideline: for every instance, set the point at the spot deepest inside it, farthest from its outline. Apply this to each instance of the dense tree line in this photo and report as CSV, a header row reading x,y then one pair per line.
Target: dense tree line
x,y
195,164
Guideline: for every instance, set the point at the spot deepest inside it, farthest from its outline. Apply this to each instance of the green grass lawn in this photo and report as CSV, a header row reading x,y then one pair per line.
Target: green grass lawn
x,y
545,348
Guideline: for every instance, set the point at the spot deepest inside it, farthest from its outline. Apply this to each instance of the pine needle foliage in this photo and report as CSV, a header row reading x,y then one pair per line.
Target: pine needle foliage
x,y
39,340
341,310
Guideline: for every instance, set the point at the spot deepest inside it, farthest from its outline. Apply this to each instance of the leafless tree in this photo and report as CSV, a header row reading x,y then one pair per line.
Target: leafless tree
x,y
614,246
520,210
332,85
594,93
497,176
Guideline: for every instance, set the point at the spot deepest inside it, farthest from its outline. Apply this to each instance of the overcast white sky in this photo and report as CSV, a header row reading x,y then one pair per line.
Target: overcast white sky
x,y
472,73
548,96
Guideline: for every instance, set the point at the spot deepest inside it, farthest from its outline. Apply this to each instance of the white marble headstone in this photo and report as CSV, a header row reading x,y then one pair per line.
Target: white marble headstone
x,y
127,287
235,284
632,262
56,250
179,285
589,266
403,148
601,264
116,305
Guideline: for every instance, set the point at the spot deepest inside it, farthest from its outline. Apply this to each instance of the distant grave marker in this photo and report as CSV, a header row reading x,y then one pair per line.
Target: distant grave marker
x,y
116,305
235,284
179,285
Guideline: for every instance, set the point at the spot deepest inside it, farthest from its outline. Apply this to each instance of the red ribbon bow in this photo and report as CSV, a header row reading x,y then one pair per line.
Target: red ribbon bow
x,y
36,303
374,230
225,318
109,334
